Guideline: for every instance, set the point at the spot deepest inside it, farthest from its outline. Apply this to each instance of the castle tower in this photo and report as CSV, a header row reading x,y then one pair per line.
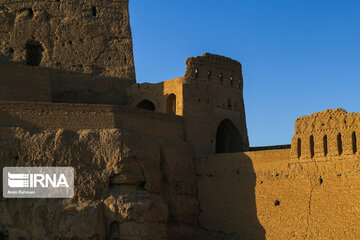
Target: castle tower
x,y
209,97
90,36
213,105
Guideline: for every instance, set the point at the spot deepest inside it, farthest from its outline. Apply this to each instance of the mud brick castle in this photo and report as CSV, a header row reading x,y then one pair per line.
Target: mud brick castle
x,y
156,161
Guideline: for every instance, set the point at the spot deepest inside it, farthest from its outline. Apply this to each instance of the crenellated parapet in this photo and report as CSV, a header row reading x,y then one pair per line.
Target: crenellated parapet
x,y
331,133
214,69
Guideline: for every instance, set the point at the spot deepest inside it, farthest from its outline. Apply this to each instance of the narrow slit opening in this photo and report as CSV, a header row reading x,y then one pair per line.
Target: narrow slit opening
x,y
325,145
299,147
354,142
312,152
339,143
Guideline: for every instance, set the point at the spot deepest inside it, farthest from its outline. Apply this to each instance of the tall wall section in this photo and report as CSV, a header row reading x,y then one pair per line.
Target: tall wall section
x,y
276,194
132,182
91,36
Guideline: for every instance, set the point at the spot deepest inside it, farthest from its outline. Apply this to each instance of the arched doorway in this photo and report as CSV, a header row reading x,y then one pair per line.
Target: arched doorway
x,y
228,138
171,104
146,104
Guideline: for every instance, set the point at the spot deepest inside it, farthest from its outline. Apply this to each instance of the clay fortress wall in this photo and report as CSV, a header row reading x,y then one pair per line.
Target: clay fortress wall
x,y
156,161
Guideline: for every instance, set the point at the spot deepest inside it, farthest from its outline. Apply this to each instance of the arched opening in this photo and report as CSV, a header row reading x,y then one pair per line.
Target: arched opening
x,y
34,53
146,104
228,138
171,104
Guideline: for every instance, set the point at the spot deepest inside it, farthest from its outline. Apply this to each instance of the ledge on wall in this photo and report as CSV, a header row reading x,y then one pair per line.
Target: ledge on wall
x,y
261,148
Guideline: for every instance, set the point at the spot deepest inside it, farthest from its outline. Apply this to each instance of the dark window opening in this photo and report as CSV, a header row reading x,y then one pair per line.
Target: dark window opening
x,y
31,13
325,145
231,81
209,75
34,53
94,11
171,104
221,77
196,73
146,104
339,143
299,147
228,138
354,142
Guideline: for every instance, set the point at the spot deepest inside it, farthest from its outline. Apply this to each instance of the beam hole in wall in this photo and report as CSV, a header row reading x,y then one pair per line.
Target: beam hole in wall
x,y
276,203
228,138
339,144
94,11
321,180
171,104
34,53
354,142
299,147
312,152
146,104
325,145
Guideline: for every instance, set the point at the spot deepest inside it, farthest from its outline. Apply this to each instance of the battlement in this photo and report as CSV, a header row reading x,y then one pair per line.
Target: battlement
x,y
213,58
331,133
214,69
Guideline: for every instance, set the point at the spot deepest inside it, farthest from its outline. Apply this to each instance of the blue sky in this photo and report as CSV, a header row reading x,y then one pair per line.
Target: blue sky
x,y
298,56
